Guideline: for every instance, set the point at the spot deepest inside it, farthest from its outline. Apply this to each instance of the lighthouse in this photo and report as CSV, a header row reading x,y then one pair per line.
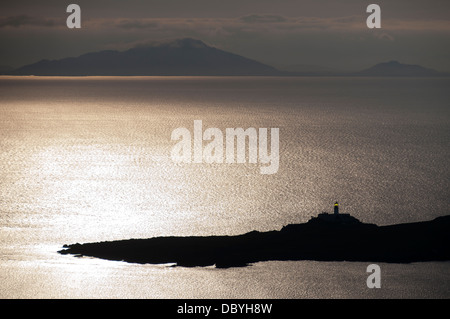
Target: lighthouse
x,y
336,218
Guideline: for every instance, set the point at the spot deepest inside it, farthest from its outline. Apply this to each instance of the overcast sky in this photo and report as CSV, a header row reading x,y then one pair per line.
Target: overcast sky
x,y
328,33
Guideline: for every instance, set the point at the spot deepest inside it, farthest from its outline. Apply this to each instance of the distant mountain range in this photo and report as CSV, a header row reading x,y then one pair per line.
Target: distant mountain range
x,y
191,57
386,69
180,57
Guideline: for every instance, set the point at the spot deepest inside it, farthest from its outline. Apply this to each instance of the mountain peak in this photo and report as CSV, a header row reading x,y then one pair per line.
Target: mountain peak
x,y
175,44
188,43
393,62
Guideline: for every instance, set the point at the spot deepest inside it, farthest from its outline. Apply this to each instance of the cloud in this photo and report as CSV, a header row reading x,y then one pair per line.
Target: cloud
x,y
136,24
266,24
27,20
257,18
252,23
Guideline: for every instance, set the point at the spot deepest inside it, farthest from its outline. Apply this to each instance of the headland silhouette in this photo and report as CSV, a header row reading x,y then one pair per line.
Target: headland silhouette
x,y
327,237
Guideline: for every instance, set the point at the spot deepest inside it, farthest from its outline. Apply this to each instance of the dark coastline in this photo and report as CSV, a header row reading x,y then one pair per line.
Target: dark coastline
x,y
315,240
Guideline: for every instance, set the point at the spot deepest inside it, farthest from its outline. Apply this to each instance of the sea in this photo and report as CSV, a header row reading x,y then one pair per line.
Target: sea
x,y
88,159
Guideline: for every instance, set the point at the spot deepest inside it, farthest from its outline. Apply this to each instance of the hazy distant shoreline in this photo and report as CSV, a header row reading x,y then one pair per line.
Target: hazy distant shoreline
x,y
192,57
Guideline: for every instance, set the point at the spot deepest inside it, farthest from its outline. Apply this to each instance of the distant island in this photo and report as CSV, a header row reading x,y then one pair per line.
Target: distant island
x,y
395,68
191,57
327,237
179,57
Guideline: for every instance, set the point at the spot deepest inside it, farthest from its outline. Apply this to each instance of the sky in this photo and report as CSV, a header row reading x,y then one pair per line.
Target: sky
x,y
281,33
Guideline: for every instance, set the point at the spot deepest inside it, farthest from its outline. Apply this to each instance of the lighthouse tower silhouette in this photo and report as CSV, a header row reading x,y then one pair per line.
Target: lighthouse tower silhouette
x,y
336,208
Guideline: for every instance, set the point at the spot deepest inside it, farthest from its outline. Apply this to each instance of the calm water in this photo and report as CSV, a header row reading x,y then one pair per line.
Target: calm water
x,y
88,159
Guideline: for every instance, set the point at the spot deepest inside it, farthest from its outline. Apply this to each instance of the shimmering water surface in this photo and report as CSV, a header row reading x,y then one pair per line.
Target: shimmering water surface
x,y
88,159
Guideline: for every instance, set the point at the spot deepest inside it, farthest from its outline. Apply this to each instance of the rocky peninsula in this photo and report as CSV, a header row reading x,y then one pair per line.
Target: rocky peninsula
x,y
327,237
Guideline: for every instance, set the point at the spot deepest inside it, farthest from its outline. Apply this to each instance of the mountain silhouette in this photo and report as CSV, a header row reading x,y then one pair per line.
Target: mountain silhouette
x,y
178,57
395,68
193,57
327,237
